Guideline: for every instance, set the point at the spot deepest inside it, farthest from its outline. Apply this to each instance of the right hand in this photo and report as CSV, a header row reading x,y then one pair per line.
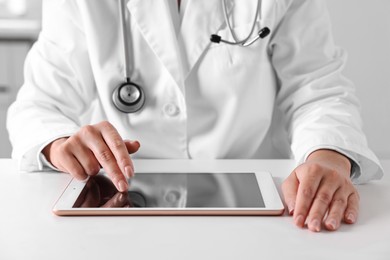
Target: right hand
x,y
92,147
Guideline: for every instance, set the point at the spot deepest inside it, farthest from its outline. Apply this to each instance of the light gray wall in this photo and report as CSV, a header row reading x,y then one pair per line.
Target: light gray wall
x,y
362,28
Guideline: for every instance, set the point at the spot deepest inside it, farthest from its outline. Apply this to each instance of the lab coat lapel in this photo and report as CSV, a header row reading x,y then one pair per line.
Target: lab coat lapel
x,y
202,18
154,20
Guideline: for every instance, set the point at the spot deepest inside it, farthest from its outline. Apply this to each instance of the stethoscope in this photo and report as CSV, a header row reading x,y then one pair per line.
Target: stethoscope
x,y
247,41
129,97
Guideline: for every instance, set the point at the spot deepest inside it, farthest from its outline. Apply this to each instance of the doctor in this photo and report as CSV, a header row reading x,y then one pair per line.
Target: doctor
x,y
202,100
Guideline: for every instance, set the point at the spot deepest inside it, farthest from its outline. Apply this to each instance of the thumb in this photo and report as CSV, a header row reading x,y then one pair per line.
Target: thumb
x,y
132,146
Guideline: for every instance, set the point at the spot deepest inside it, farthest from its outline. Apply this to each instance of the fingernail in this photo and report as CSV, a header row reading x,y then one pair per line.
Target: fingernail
x,y
315,225
129,172
122,185
332,224
351,218
299,221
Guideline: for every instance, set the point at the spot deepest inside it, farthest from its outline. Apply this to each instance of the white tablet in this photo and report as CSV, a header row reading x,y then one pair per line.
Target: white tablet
x,y
204,193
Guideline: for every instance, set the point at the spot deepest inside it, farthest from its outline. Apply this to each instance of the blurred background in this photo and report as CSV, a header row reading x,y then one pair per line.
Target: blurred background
x,y
19,28
361,27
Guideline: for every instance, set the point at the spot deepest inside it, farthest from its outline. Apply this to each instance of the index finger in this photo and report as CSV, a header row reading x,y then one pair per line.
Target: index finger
x,y
309,183
93,139
118,148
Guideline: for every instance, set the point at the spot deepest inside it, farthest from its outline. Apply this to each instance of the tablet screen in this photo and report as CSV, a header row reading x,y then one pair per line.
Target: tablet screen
x,y
174,190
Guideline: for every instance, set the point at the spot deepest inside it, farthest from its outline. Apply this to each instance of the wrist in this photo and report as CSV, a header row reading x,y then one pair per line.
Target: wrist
x,y
337,159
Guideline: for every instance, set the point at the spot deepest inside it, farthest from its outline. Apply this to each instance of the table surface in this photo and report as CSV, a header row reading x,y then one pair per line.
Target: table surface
x,y
29,230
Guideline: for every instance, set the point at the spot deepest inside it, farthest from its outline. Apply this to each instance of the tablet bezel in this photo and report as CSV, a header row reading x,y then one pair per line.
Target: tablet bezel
x,y
272,201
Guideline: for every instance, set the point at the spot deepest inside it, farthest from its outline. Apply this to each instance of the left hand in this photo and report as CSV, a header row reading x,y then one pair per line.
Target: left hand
x,y
322,185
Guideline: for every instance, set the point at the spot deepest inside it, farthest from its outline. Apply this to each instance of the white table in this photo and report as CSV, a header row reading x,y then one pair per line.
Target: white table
x,y
29,230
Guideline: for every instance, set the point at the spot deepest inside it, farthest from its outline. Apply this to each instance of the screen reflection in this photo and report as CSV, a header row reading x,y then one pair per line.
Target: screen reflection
x,y
174,190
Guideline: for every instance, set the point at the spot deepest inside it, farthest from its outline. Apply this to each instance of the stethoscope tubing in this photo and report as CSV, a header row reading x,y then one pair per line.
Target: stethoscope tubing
x,y
243,42
126,38
248,40
129,97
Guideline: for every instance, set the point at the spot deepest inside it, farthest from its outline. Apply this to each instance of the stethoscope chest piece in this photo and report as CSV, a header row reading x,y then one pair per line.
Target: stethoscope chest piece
x,y
128,97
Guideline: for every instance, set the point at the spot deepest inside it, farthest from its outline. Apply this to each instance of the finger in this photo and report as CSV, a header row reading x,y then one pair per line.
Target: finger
x,y
108,162
352,211
336,210
93,139
132,146
310,178
73,167
117,147
85,157
290,189
321,204
50,151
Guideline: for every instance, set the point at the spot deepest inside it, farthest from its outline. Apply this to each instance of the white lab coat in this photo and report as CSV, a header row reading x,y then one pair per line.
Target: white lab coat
x,y
203,100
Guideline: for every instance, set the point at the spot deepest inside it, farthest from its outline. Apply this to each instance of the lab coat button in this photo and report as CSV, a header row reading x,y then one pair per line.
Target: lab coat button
x,y
171,110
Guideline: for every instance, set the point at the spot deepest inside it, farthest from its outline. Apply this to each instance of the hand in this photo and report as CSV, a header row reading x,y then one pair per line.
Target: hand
x,y
92,147
322,185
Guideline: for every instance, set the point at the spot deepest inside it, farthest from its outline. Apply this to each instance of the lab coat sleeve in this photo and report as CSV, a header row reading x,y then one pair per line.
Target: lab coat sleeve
x,y
319,104
58,84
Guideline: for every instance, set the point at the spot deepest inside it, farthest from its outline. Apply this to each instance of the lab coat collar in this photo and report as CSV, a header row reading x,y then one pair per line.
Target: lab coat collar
x,y
201,19
178,53
154,20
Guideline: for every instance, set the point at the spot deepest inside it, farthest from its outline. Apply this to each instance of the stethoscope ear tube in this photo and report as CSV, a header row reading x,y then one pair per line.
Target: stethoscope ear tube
x,y
247,41
264,32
